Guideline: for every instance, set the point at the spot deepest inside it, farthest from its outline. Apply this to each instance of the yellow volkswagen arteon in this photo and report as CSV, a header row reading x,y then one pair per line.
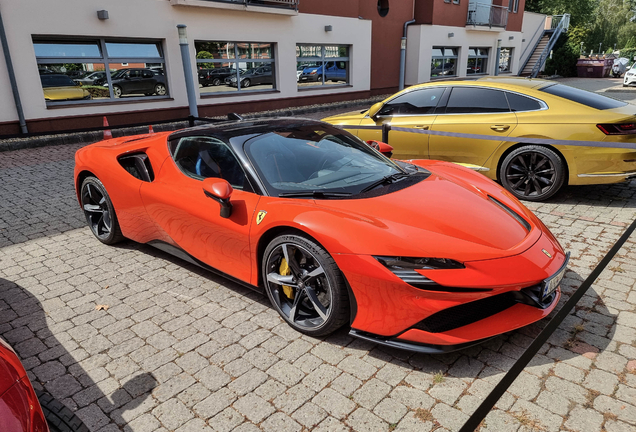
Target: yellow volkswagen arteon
x,y
512,113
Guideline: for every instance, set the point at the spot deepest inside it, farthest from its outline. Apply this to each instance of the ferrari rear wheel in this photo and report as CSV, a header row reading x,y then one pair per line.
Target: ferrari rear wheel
x,y
99,211
532,173
305,285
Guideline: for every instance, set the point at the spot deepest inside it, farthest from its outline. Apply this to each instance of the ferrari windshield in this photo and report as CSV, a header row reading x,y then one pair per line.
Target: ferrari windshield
x,y
316,159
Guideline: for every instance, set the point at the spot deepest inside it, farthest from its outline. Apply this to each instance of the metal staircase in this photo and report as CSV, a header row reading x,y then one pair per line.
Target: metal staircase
x,y
535,61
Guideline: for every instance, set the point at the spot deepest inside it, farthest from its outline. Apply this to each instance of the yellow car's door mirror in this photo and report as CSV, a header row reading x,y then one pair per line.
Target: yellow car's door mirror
x,y
373,111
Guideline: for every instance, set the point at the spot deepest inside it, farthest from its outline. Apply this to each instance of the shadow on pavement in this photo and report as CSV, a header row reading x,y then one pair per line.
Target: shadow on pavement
x,y
25,325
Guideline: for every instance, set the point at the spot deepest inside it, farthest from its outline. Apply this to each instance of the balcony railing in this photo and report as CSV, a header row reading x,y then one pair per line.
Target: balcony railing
x,y
484,14
286,4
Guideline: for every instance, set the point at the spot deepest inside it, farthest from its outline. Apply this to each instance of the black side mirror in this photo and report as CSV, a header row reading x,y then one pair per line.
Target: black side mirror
x,y
220,191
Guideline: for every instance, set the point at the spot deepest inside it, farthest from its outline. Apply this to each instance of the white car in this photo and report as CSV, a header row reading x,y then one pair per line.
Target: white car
x,y
630,76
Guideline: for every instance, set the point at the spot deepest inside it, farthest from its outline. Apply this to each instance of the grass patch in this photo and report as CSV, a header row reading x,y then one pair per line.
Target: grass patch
x,y
438,378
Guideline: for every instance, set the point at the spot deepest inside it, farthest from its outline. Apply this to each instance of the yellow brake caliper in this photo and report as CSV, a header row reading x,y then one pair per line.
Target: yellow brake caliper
x,y
284,270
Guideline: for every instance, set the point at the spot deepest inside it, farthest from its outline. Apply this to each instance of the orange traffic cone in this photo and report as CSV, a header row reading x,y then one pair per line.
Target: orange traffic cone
x,y
107,133
150,131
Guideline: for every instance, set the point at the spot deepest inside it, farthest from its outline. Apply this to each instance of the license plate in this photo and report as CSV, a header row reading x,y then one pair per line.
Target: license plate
x,y
551,283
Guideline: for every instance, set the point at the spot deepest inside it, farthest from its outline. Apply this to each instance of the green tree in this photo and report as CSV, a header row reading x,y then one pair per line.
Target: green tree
x,y
564,57
205,55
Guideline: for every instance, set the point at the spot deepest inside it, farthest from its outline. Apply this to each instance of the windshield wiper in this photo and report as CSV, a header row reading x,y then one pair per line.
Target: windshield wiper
x,y
385,180
314,194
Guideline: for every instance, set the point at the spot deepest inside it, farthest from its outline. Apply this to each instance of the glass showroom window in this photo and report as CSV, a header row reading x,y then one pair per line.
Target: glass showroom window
x,y
319,65
505,60
477,61
233,67
444,62
73,71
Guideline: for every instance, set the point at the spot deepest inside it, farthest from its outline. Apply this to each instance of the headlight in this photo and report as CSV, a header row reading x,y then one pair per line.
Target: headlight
x,y
408,263
312,72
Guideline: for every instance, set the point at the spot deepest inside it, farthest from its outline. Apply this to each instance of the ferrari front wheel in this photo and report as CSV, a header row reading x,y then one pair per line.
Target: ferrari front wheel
x,y
305,285
99,211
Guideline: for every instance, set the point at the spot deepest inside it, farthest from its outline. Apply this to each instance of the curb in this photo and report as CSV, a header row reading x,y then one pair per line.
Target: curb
x,y
93,137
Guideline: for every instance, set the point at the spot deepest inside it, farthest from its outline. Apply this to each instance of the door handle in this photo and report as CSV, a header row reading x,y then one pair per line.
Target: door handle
x,y
500,128
425,127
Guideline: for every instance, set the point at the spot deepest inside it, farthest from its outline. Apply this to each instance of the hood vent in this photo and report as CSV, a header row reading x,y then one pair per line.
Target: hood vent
x,y
511,212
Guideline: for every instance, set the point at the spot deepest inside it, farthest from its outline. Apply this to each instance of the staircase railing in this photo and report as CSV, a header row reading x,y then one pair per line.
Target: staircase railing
x,y
560,24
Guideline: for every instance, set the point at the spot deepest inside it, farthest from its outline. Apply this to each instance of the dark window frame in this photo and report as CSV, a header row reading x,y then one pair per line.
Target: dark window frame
x,y
578,96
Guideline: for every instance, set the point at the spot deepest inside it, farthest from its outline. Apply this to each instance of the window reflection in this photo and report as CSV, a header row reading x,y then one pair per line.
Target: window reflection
x,y
318,65
231,67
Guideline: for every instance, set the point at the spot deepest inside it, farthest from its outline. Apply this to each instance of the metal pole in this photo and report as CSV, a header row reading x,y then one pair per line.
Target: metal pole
x,y
385,132
14,84
403,55
187,70
498,55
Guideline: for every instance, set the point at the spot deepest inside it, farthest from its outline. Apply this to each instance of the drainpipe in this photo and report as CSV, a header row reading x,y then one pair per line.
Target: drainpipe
x,y
403,54
14,84
187,70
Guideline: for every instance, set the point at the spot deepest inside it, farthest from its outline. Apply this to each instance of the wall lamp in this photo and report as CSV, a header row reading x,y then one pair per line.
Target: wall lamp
x,y
328,28
511,37
451,35
102,14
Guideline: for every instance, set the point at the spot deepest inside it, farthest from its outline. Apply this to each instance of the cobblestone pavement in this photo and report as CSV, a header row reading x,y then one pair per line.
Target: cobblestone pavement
x,y
179,349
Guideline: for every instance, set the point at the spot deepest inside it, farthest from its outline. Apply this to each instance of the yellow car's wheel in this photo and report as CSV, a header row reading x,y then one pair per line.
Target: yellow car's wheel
x,y
532,173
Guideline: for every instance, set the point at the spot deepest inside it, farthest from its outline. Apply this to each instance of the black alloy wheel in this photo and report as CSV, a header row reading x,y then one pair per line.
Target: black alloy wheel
x,y
216,82
305,285
532,173
99,211
246,83
117,91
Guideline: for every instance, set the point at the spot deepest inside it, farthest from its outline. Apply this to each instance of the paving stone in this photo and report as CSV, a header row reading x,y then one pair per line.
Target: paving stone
x,y
448,417
253,407
194,425
227,420
553,402
309,415
390,410
293,398
334,403
330,424
172,414
601,381
212,377
449,390
215,403
531,412
248,382
346,384
412,398
280,422
321,377
371,393
358,368
286,373
365,421
625,412
584,420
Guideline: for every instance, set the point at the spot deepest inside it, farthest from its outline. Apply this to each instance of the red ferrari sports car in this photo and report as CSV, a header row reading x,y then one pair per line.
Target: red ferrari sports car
x,y
20,410
421,255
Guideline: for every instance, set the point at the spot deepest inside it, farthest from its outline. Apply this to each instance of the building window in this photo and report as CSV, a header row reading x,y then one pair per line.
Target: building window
x,y
513,6
235,67
383,7
102,70
444,62
320,65
505,60
477,61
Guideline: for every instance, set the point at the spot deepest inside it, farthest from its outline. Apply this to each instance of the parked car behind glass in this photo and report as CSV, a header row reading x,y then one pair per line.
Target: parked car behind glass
x,y
254,76
333,71
90,79
215,77
137,81
59,87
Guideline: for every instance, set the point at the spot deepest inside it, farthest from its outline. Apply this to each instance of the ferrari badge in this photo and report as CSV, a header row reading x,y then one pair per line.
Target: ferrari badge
x,y
260,216
548,254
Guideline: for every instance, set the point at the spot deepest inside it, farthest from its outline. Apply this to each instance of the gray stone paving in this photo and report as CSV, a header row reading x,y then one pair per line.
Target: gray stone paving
x,y
183,350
